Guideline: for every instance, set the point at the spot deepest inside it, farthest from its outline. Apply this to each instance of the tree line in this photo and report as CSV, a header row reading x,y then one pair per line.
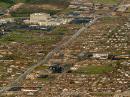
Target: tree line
x,y
36,1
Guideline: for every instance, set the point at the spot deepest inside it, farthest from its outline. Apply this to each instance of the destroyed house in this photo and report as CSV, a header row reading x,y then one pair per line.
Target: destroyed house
x,y
84,55
15,89
100,56
56,68
82,20
119,57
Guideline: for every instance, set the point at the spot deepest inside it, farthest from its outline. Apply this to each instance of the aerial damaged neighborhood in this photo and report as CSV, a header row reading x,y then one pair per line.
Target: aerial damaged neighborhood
x,y
64,48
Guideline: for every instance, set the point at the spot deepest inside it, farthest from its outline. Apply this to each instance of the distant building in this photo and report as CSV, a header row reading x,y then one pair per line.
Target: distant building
x,y
6,20
39,17
44,19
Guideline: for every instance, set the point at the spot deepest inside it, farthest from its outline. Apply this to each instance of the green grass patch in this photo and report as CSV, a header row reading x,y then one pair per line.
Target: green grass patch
x,y
49,78
29,38
100,94
5,5
93,69
109,19
56,2
42,67
106,1
2,68
25,12
61,30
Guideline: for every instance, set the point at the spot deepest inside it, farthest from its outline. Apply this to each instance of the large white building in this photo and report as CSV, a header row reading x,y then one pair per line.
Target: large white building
x,y
44,19
39,17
